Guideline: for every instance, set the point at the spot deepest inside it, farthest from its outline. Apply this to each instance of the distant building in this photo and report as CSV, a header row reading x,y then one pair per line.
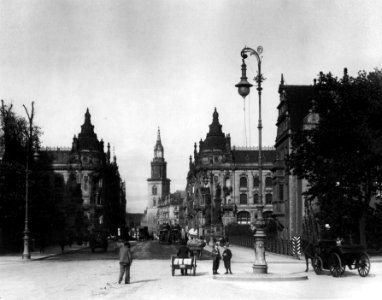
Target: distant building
x,y
158,186
223,182
103,192
170,208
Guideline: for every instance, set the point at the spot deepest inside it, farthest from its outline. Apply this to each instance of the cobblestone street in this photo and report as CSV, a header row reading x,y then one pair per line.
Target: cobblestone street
x,y
85,275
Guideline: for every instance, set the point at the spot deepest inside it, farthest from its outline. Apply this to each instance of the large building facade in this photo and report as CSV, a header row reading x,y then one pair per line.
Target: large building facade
x,y
294,113
223,182
102,191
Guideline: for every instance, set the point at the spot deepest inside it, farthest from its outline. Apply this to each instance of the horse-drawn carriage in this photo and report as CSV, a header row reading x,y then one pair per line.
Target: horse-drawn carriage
x,y
183,263
333,256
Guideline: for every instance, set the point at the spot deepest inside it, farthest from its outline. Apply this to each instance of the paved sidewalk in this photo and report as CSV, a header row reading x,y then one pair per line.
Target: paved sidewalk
x,y
36,255
278,258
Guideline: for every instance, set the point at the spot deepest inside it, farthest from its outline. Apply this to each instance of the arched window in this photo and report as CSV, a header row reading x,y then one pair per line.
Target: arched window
x,y
243,199
154,190
255,198
256,181
268,198
243,217
243,182
268,181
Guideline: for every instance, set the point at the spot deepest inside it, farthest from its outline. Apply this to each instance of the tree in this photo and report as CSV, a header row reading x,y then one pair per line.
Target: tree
x,y
341,157
12,177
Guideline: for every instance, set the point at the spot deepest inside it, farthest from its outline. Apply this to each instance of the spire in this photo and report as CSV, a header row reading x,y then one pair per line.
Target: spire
x,y
87,116
281,86
215,127
158,149
158,137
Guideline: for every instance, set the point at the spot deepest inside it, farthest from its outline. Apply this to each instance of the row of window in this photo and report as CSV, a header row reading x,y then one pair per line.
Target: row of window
x,y
256,182
244,198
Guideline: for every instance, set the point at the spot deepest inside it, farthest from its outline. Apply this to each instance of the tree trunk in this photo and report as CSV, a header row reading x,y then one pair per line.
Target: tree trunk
x,y
362,231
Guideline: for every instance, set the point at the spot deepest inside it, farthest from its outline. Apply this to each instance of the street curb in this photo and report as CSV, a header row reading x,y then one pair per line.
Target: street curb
x,y
263,277
57,254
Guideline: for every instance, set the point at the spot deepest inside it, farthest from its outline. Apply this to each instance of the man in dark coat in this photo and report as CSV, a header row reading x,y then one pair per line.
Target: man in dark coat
x,y
125,261
184,252
215,258
227,255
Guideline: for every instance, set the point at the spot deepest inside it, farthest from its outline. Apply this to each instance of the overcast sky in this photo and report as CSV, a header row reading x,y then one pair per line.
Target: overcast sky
x,y
142,64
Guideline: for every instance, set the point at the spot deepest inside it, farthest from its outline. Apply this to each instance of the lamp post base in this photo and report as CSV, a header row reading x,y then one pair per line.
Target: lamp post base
x,y
26,253
26,256
260,269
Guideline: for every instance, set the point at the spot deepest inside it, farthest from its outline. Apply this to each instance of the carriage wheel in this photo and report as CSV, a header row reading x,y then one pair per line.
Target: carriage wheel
x,y
363,265
335,265
317,265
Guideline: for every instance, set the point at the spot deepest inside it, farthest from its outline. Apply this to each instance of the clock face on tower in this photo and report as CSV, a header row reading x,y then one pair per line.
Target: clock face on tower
x,y
159,154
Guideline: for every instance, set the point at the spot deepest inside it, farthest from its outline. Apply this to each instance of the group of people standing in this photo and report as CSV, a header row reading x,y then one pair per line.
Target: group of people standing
x,y
184,252
216,257
126,259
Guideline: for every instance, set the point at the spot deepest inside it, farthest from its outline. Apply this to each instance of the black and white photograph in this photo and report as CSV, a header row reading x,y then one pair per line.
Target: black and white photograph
x,y
190,149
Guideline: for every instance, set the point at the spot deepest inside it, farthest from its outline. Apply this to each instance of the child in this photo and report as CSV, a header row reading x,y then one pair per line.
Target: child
x,y
227,255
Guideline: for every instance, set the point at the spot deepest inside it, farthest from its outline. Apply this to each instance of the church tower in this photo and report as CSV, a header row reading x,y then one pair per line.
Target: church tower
x,y
158,183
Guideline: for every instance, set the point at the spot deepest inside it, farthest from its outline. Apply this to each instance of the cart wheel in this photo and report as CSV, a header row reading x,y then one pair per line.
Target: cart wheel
x,y
363,265
317,265
172,271
335,265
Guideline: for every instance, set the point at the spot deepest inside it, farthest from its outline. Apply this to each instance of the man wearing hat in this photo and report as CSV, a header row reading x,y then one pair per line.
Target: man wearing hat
x,y
215,258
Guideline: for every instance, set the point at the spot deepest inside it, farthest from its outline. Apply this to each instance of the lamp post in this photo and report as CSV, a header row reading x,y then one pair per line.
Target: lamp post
x,y
26,253
260,265
206,181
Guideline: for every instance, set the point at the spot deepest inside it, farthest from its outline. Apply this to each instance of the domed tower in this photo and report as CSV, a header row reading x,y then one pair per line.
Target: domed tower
x,y
158,183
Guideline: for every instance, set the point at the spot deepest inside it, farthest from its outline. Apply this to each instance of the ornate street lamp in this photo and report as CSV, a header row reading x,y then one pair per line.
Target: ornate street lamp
x,y
260,265
26,253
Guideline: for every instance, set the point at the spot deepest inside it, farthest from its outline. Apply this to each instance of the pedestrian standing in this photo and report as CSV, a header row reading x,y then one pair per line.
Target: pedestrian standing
x,y
125,261
227,255
215,258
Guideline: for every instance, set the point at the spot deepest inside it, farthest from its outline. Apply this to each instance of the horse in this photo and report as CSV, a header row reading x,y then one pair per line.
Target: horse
x,y
309,252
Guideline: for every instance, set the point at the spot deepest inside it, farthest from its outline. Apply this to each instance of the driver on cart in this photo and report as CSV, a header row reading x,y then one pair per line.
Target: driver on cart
x,y
184,252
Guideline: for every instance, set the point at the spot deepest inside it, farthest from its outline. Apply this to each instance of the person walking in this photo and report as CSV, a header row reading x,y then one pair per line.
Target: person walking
x,y
125,261
215,258
184,252
227,255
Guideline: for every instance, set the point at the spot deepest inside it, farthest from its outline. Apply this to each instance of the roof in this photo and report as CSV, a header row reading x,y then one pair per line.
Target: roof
x,y
215,138
252,156
57,155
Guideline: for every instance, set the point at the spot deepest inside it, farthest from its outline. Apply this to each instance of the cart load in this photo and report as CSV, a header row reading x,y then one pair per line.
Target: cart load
x,y
183,264
196,246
